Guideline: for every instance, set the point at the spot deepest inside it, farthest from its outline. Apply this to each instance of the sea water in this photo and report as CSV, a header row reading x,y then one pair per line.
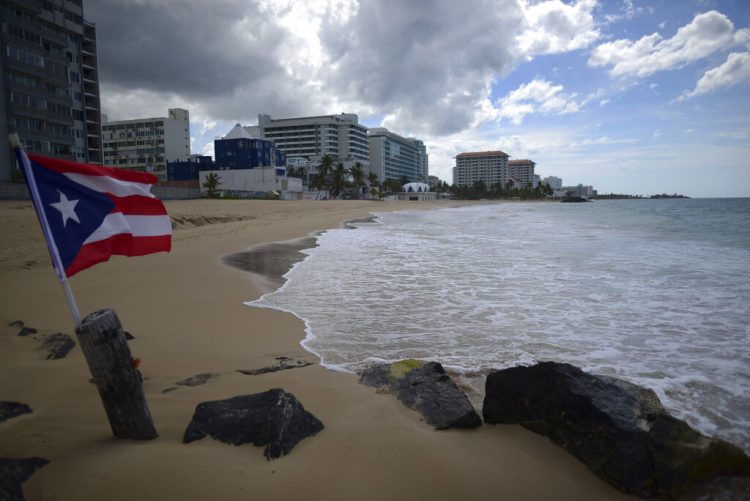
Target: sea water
x,y
656,292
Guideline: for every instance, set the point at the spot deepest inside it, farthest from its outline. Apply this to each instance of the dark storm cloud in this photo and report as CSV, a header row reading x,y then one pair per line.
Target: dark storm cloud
x,y
427,64
198,48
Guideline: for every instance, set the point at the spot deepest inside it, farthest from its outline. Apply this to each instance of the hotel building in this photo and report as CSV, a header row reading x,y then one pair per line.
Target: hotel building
x,y
50,83
340,136
522,172
491,167
145,144
396,157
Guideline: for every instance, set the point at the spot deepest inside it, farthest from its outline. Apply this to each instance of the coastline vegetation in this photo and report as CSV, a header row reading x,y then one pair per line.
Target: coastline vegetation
x,y
496,191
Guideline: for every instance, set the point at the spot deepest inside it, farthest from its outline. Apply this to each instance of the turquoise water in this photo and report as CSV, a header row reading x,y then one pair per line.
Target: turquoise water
x,y
653,291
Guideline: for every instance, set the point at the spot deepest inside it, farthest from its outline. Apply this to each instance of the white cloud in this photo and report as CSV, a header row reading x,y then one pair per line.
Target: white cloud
x,y
603,102
657,134
553,27
706,34
537,96
735,70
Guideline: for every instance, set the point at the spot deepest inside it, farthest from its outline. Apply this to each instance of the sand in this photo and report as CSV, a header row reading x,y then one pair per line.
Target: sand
x,y
186,312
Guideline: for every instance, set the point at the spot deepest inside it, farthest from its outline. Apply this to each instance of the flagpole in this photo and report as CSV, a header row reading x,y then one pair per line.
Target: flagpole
x,y
15,143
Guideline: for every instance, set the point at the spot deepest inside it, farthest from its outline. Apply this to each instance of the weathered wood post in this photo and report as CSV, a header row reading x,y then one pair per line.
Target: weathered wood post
x,y
103,343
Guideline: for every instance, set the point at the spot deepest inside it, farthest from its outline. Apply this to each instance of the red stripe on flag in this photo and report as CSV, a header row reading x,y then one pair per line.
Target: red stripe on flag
x,y
136,205
64,166
121,245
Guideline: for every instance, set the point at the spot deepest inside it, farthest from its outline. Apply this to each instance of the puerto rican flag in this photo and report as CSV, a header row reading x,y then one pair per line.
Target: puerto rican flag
x,y
94,212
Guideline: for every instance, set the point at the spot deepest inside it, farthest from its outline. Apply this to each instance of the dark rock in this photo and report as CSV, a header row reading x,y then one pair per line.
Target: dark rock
x,y
128,336
13,473
618,429
15,323
57,345
12,409
25,331
426,388
274,418
197,380
283,364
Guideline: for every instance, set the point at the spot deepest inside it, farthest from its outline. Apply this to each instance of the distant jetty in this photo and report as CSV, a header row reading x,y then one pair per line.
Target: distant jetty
x,y
619,196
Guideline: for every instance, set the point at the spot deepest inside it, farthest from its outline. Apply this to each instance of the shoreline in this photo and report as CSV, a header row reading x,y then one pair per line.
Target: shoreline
x,y
187,313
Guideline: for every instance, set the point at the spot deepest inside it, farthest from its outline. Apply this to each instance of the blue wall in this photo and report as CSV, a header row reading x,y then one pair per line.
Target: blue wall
x,y
188,170
247,154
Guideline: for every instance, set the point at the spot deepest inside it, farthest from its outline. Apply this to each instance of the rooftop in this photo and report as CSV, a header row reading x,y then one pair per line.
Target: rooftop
x,y
521,162
472,154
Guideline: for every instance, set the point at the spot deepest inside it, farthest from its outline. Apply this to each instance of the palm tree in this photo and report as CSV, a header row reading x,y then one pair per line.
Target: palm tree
x,y
325,168
358,177
211,184
338,181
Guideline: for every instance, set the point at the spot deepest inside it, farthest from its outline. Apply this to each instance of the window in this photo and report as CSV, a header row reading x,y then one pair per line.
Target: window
x,y
25,56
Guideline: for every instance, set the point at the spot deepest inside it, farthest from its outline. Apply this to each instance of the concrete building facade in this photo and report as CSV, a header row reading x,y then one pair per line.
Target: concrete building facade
x,y
340,136
491,167
50,83
553,182
521,172
396,157
254,183
146,144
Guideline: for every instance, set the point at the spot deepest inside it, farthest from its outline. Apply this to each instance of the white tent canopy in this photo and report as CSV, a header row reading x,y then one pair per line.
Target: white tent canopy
x,y
416,187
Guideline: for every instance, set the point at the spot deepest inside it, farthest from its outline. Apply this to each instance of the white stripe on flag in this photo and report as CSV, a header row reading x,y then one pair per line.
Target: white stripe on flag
x,y
106,184
140,226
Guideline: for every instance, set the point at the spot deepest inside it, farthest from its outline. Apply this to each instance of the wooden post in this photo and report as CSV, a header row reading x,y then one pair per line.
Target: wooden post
x,y
103,343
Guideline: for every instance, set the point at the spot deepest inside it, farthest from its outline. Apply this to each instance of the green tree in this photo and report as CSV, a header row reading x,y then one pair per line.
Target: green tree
x,y
392,185
211,184
358,177
322,179
338,181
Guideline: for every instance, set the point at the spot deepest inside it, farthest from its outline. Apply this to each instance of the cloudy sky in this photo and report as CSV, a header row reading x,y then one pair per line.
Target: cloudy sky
x,y
630,96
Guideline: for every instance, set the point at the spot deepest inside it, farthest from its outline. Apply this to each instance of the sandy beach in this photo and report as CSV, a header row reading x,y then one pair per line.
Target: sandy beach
x,y
186,312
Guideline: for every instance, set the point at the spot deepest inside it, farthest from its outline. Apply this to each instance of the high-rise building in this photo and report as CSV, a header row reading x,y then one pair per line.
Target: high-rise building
x,y
50,83
490,167
521,172
396,157
146,144
340,136
554,182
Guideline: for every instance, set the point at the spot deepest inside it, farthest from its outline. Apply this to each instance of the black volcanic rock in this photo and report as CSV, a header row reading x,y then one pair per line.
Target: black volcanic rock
x,y
10,410
13,473
274,418
426,388
57,345
618,429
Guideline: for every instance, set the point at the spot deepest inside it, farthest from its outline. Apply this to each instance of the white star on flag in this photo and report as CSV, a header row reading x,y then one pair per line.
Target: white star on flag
x,y
67,208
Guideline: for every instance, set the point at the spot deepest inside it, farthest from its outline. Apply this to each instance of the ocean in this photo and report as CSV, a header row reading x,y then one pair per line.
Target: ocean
x,y
656,292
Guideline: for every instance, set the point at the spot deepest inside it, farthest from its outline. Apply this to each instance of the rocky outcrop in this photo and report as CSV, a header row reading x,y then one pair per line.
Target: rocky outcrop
x,y
619,430
57,345
13,473
274,418
426,388
283,364
10,410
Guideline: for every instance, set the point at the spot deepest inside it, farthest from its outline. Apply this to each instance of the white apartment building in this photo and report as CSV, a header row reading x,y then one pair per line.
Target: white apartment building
x,y
553,182
522,172
491,167
340,136
145,144
395,157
